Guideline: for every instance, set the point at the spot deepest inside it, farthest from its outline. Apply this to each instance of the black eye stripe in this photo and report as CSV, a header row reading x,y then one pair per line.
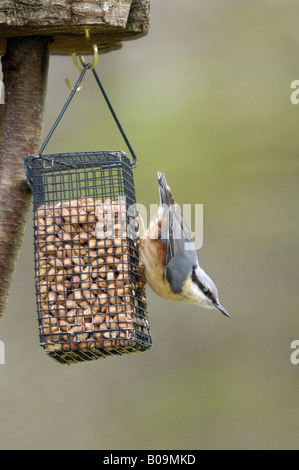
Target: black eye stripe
x,y
203,288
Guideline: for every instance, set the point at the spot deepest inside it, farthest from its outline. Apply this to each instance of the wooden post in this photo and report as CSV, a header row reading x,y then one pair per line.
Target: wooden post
x,y
25,66
29,32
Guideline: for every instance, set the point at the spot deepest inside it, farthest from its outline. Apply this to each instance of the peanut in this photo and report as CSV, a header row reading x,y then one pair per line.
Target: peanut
x,y
85,293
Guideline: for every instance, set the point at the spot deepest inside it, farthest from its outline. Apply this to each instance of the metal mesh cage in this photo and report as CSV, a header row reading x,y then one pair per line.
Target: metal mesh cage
x,y
89,300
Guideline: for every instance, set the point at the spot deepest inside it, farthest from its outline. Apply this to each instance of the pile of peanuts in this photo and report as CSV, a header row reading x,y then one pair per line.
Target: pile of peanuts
x,y
86,294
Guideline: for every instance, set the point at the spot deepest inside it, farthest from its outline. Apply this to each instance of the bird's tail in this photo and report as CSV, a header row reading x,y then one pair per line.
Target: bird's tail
x,y
165,193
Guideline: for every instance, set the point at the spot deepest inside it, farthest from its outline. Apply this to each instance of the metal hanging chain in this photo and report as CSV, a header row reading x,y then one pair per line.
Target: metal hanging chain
x,y
87,67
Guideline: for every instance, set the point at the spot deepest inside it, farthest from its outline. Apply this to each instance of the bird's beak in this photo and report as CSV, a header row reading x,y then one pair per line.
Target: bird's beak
x,y
221,309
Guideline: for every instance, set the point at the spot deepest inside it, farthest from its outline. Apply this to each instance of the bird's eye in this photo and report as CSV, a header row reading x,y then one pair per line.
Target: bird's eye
x,y
206,290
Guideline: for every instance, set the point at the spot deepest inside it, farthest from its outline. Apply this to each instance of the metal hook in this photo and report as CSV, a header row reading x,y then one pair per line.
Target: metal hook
x,y
95,53
74,57
90,66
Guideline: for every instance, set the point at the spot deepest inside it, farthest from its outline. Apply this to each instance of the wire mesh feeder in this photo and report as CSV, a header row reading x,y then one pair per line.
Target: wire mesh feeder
x,y
88,294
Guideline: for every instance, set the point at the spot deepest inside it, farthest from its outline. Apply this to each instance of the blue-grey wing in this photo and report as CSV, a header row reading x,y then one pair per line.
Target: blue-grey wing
x,y
180,253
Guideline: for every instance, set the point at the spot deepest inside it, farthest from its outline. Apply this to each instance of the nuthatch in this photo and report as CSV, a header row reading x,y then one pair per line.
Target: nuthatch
x,y
169,260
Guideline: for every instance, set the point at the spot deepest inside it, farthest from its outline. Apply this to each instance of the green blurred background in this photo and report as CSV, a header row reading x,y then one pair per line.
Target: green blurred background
x,y
205,98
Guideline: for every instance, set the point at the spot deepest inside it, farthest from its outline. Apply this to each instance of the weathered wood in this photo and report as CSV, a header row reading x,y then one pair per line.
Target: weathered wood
x,y
25,66
139,16
109,21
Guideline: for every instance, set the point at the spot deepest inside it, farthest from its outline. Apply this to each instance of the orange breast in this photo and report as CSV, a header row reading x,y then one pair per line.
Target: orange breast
x,y
152,253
